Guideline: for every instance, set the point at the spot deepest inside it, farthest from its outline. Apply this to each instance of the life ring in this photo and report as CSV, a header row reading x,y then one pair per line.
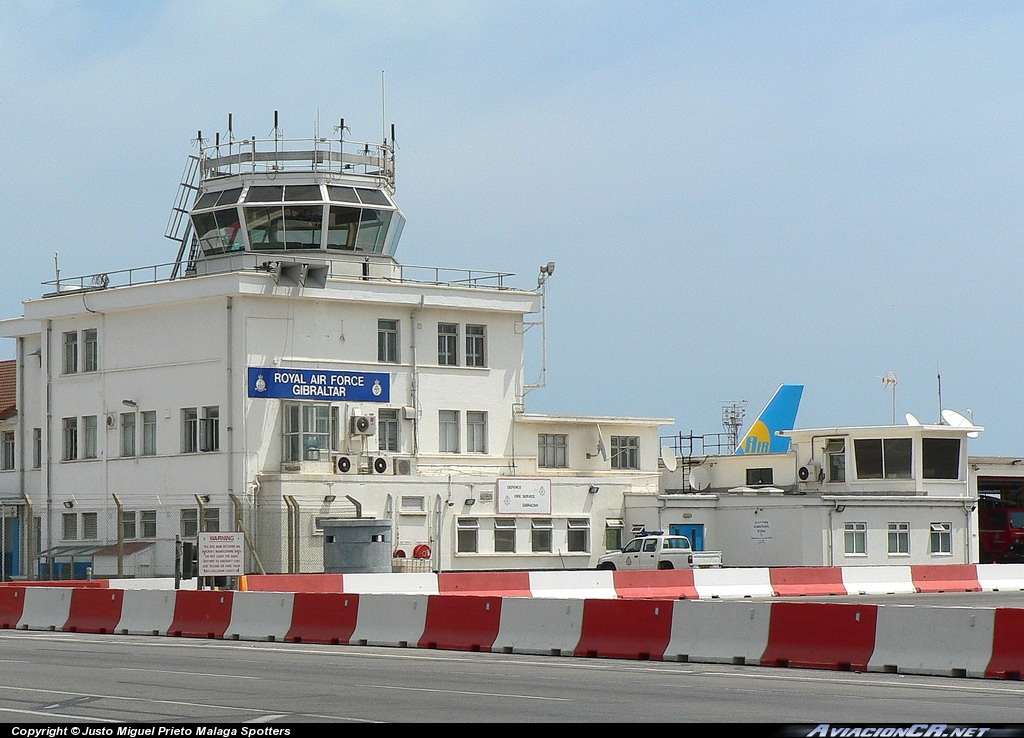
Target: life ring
x,y
398,554
422,551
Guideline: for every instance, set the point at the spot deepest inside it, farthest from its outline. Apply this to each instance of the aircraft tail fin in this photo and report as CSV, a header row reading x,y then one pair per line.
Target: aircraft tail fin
x,y
778,415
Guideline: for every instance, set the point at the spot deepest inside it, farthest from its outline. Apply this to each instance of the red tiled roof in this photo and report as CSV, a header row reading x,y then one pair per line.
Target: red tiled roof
x,y
8,393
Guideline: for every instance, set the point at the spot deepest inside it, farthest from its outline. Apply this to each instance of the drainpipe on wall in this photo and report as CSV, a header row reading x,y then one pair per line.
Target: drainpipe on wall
x,y
414,379
48,411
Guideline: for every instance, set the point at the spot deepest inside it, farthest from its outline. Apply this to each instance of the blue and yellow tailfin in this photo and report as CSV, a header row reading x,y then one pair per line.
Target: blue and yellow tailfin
x,y
778,415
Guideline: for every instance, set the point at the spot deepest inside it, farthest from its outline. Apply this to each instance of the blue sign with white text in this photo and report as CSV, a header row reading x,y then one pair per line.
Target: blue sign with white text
x,y
318,384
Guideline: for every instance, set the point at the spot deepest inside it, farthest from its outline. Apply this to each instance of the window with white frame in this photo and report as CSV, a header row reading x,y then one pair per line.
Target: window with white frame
x,y
189,430
90,526
883,458
855,537
476,342
387,341
551,448
147,524
7,458
541,535
467,535
90,436
941,540
448,344
70,344
75,346
128,525
307,430
625,452
127,434
149,433
91,350
209,429
940,458
448,431
476,432
578,535
835,452
70,433
190,521
899,538
387,429
70,526
504,535
613,528
200,429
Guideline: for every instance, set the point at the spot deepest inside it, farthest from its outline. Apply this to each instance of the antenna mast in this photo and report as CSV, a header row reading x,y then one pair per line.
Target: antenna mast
x,y
891,380
732,420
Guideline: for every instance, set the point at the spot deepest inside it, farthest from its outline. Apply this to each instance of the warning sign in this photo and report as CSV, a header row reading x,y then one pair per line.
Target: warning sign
x,y
221,554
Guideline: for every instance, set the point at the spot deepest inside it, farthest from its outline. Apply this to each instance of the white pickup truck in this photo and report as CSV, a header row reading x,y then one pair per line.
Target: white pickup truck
x,y
660,551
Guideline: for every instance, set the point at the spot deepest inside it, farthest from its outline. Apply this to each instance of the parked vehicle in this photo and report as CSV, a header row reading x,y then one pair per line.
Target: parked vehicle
x,y
1000,528
660,551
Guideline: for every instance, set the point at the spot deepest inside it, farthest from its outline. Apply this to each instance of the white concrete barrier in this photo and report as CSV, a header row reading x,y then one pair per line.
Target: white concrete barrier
x,y
46,608
151,583
591,584
547,627
732,583
390,620
1001,577
719,632
146,612
878,580
401,583
948,641
260,616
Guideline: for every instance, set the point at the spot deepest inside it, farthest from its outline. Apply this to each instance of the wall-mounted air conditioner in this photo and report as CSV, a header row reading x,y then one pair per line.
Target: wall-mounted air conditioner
x,y
363,425
345,465
111,420
809,472
403,466
381,465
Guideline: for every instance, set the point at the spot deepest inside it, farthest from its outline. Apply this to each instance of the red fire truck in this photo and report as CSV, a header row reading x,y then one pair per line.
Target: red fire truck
x,y
1000,528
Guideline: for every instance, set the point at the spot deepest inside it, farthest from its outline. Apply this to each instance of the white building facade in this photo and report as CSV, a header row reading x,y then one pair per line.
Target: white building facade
x,y
285,370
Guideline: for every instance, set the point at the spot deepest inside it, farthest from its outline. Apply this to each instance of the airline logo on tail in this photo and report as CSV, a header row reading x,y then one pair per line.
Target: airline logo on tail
x,y
778,415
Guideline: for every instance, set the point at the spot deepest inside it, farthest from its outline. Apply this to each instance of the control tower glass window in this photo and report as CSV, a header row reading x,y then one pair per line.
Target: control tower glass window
x,y
284,227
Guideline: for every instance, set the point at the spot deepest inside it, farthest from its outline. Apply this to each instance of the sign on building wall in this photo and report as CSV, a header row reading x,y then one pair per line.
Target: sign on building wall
x,y
761,532
524,495
221,554
318,384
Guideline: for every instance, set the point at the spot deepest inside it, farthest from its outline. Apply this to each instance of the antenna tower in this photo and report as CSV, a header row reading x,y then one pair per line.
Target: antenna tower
x,y
732,419
891,380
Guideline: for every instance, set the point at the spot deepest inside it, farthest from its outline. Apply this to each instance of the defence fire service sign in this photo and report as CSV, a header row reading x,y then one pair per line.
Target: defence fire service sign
x,y
522,495
220,554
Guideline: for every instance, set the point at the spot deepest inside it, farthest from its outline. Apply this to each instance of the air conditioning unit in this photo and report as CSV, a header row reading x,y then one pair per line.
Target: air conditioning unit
x,y
403,467
363,425
111,420
345,465
809,472
381,465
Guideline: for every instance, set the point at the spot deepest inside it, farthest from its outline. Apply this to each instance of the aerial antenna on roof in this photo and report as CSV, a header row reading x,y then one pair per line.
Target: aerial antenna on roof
x,y
231,136
383,115
938,378
891,380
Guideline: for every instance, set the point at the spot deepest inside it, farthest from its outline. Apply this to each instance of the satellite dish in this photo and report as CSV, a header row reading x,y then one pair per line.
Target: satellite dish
x,y
911,420
955,419
668,458
700,478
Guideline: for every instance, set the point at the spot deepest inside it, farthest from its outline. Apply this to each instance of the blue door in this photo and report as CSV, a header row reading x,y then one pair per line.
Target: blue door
x,y
693,531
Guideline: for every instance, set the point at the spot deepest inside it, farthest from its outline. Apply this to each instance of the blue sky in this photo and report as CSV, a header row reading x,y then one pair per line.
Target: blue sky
x,y
736,194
